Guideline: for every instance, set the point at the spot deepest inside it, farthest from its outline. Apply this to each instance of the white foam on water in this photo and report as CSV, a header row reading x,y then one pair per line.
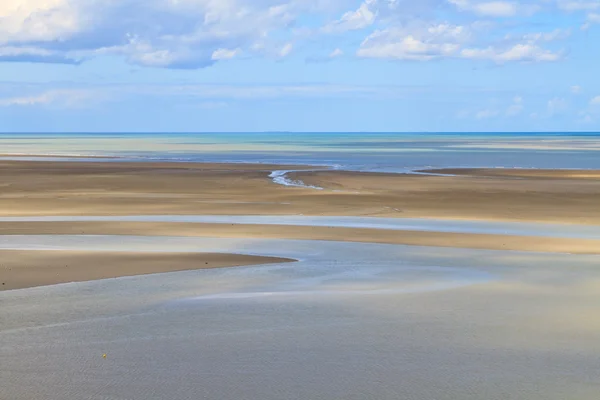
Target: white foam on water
x,y
280,177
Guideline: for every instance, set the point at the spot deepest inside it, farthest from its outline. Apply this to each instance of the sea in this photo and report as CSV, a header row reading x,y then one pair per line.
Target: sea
x,y
357,151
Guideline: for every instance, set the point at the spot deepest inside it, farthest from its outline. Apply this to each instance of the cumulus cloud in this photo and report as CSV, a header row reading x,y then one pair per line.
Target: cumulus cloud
x,y
591,19
353,20
225,54
199,33
423,43
590,7
159,33
419,43
38,21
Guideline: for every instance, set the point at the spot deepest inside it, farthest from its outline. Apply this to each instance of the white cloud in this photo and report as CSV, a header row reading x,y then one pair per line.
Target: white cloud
x,y
539,37
286,50
579,5
195,95
590,113
12,51
225,54
361,18
498,9
496,109
518,52
199,33
576,89
336,53
493,8
516,107
586,119
424,43
589,6
420,43
161,33
58,97
591,19
33,20
557,106
486,114
406,48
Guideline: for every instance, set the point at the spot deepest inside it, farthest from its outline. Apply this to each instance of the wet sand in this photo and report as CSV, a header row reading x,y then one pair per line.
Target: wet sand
x,y
348,321
120,188
409,237
117,188
23,269
519,173
484,194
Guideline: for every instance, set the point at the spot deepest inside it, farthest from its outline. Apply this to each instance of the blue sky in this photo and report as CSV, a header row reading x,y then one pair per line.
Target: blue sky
x,y
299,65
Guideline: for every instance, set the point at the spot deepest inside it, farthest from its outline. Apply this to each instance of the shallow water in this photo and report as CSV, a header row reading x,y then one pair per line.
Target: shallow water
x,y
348,321
387,152
400,224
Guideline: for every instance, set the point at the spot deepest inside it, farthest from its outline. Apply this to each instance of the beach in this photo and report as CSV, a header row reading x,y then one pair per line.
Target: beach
x,y
348,321
32,188
117,188
165,280
562,196
23,269
299,200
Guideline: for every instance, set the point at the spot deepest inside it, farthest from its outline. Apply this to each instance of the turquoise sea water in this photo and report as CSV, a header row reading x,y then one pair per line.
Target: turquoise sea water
x,y
390,152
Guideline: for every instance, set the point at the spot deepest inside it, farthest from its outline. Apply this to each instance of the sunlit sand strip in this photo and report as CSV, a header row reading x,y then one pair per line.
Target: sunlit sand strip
x,y
570,231
21,269
323,267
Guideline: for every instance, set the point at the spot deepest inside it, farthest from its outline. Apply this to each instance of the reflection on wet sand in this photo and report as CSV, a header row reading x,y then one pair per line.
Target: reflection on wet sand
x,y
348,321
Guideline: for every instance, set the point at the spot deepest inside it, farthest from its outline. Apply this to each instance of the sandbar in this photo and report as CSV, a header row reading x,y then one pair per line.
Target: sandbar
x,y
45,188
23,269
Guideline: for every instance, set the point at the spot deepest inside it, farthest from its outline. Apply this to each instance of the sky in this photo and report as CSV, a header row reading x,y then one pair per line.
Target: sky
x,y
299,65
